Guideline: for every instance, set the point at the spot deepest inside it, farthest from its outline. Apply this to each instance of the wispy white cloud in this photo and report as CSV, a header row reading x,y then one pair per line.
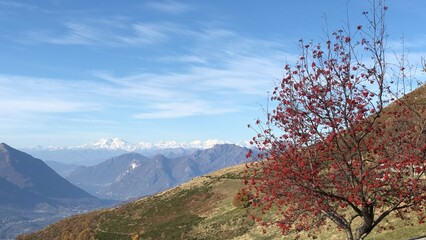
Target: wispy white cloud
x,y
243,75
200,90
173,7
108,33
408,43
211,82
209,34
219,70
148,33
76,34
182,109
182,59
26,95
41,106
140,86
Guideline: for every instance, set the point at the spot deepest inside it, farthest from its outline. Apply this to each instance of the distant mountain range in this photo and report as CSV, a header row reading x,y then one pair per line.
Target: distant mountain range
x,y
120,144
30,189
96,152
133,175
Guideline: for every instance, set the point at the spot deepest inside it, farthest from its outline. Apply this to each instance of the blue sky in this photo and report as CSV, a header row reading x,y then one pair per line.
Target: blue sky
x,y
73,71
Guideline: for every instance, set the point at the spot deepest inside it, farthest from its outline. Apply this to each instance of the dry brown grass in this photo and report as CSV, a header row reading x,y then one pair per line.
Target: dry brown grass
x,y
199,209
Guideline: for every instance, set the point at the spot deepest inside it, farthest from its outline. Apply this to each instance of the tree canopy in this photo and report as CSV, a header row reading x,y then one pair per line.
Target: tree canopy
x,y
344,142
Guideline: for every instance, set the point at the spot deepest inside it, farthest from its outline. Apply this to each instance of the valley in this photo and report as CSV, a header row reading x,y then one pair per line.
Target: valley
x,y
33,197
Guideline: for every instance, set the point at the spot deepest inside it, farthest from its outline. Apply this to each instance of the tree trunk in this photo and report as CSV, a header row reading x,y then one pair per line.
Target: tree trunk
x,y
361,233
367,226
349,235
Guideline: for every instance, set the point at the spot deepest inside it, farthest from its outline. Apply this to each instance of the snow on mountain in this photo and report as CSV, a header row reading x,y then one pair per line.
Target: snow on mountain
x,y
45,148
197,144
110,144
132,166
120,144
135,163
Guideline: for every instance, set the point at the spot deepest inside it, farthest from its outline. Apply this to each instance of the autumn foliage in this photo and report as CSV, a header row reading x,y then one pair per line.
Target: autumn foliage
x,y
242,199
343,144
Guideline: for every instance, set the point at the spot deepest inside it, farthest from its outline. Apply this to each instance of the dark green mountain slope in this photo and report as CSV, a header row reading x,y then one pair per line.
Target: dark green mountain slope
x,y
22,176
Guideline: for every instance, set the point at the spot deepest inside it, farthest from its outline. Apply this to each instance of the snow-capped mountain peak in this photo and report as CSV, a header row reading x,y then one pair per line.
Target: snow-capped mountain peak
x,y
197,144
120,144
206,144
112,144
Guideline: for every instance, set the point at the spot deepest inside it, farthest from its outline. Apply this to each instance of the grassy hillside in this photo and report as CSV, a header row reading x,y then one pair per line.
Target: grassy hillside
x,y
199,209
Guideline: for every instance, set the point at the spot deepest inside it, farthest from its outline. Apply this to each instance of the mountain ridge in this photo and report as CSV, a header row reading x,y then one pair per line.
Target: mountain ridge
x,y
96,152
32,195
133,175
115,143
32,174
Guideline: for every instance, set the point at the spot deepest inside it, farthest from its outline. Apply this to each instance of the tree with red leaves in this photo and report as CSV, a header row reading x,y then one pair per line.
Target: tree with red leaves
x,y
344,144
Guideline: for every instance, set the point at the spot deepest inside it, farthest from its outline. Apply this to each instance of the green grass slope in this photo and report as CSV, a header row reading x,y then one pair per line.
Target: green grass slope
x,y
200,209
